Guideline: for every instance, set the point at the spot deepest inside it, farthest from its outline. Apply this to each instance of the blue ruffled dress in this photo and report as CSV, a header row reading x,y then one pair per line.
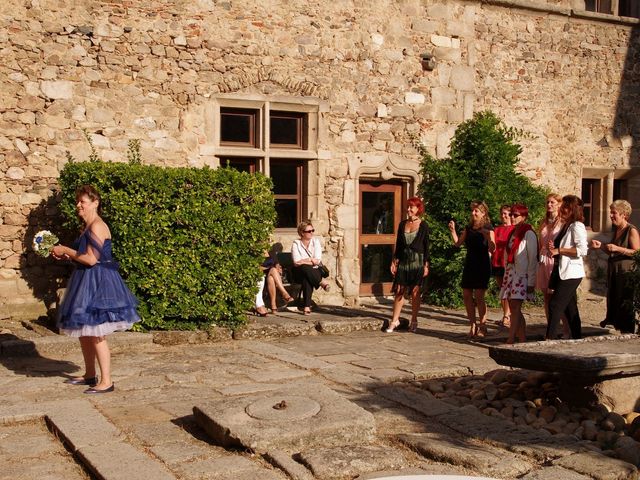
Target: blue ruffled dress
x,y
97,301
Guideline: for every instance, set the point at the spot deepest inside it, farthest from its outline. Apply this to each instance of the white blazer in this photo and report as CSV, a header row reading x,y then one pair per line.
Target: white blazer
x,y
525,261
576,236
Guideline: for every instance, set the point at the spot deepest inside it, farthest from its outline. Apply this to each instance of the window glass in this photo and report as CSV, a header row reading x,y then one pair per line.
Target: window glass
x,y
238,126
287,213
239,163
588,185
285,178
286,129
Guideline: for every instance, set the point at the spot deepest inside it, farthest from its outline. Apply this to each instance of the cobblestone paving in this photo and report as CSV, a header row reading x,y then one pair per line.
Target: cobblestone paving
x,y
147,429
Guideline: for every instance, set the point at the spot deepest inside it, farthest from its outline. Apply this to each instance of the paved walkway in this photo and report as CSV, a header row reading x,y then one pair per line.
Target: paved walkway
x,y
147,429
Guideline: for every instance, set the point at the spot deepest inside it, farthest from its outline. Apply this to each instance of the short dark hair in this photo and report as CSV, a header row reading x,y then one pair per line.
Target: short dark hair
x,y
91,192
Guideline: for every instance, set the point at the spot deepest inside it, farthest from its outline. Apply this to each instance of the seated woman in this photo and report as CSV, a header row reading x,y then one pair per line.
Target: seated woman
x,y
306,254
273,278
624,243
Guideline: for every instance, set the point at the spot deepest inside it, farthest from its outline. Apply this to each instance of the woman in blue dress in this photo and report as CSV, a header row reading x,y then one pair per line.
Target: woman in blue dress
x,y
96,302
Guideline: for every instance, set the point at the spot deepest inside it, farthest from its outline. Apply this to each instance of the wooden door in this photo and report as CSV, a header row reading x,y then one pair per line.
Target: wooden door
x,y
379,216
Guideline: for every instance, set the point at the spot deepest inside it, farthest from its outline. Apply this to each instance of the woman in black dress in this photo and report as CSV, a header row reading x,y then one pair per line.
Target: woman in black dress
x,y
410,263
479,240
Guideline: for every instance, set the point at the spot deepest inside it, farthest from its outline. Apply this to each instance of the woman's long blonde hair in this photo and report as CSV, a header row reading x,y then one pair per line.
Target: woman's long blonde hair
x,y
484,209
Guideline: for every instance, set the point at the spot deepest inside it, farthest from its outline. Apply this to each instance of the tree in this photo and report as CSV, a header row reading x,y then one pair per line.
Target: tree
x,y
482,165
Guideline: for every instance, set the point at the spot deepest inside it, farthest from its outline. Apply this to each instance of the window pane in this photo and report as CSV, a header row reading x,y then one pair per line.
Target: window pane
x,y
239,163
590,5
377,212
287,212
285,178
375,263
237,126
286,128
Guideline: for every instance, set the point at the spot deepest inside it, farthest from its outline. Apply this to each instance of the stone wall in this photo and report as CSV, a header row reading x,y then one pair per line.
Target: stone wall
x,y
121,70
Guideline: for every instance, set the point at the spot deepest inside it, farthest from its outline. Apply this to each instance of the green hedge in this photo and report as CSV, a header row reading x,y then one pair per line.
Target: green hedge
x,y
189,241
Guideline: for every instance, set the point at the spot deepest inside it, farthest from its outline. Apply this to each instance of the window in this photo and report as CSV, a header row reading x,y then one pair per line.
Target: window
x,y
620,190
623,8
274,138
600,6
238,127
589,186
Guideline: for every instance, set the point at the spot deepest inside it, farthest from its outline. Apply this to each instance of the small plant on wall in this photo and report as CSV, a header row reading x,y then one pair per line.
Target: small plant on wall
x,y
482,165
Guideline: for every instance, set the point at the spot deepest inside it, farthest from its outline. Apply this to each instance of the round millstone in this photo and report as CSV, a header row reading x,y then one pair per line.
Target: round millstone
x,y
283,408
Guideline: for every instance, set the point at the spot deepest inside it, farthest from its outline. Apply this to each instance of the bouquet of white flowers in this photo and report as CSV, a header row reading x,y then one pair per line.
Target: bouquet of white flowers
x,y
43,242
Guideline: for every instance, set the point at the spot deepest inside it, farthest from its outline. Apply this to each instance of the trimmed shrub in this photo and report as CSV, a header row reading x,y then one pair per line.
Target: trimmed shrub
x,y
481,166
189,241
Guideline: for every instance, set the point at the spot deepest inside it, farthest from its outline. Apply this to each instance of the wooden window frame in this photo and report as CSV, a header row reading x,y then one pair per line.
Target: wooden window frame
x,y
299,177
589,206
254,126
301,129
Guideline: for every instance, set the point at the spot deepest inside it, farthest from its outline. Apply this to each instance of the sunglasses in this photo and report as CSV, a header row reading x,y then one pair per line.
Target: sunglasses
x,y
308,231
515,215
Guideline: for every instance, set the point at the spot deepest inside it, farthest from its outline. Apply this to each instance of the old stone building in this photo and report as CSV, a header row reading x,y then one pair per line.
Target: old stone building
x,y
321,96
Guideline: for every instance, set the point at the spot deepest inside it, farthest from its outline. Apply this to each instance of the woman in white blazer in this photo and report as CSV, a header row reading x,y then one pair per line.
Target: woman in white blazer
x,y
567,249
521,260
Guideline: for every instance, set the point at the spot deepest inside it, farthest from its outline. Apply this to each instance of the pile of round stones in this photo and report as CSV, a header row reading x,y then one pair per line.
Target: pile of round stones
x,y
531,398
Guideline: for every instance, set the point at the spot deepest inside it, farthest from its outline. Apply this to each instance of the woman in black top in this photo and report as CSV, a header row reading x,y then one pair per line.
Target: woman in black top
x,y
479,240
410,263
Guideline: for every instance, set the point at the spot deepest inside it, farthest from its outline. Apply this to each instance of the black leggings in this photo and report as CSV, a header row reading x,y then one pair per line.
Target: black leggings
x,y
565,301
310,279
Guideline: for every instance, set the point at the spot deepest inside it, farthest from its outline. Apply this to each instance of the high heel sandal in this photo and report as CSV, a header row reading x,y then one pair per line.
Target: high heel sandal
x,y
506,321
473,330
481,330
289,299
392,326
413,327
325,286
257,312
306,311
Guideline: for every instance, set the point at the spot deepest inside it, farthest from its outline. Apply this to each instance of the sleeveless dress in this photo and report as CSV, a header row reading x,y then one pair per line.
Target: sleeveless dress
x,y
545,264
97,301
620,288
411,267
477,263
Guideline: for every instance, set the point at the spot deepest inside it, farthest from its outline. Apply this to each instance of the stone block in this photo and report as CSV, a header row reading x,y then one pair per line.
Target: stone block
x,y
598,466
443,96
287,464
121,461
554,473
232,467
421,25
462,78
474,456
330,463
295,418
414,98
57,89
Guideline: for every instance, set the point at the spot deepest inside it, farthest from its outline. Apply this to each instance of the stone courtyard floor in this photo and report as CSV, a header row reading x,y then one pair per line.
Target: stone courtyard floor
x,y
335,365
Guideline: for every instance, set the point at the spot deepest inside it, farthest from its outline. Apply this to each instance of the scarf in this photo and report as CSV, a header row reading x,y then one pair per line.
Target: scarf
x,y
518,234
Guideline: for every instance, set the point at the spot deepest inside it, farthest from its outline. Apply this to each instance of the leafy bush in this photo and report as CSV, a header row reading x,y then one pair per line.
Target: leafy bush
x,y
189,241
481,166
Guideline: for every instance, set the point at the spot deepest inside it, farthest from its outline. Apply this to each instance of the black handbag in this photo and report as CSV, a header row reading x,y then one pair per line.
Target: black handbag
x,y
324,271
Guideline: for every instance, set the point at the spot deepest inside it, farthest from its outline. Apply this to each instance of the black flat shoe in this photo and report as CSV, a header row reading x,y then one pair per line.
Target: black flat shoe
x,y
92,390
91,382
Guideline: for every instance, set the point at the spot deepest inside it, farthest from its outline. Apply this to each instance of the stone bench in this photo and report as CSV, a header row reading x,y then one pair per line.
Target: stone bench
x,y
602,369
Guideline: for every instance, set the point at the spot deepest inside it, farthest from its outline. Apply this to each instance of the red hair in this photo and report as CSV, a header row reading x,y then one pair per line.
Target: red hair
x,y
416,202
520,209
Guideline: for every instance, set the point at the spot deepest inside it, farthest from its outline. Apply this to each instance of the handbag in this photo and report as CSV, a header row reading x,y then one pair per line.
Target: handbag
x,y
324,271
